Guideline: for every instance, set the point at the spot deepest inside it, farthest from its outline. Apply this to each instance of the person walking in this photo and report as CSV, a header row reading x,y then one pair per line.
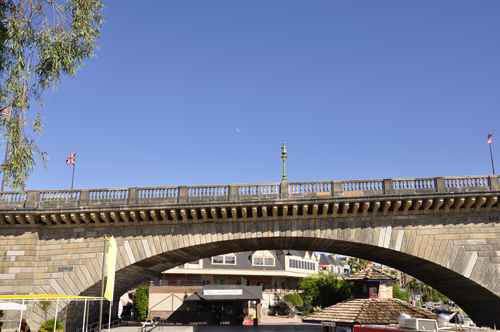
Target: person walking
x,y
24,326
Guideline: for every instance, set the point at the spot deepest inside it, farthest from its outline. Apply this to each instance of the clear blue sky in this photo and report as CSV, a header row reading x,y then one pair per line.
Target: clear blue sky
x,y
204,92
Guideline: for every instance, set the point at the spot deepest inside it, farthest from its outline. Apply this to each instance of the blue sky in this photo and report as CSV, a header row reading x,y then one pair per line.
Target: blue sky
x,y
204,92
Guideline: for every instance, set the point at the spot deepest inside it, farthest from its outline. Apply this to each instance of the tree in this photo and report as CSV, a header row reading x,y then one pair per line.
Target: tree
x,y
141,300
40,41
362,264
352,264
324,290
398,293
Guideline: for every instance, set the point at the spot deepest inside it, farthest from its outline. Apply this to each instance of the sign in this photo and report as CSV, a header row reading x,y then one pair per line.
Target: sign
x,y
327,323
223,292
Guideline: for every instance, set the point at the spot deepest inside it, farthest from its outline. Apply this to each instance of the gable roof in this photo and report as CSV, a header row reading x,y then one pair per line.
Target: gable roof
x,y
371,274
368,311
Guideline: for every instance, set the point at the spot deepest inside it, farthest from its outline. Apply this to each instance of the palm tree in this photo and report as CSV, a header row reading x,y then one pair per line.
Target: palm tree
x,y
352,264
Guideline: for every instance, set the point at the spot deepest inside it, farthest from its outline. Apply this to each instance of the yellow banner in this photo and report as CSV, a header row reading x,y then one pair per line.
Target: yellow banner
x,y
111,262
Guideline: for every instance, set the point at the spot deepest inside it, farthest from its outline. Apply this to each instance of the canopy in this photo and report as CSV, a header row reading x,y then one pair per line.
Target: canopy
x,y
47,297
11,306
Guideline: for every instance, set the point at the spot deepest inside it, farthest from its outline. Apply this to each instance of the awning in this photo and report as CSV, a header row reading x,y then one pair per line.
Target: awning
x,y
227,293
11,306
47,297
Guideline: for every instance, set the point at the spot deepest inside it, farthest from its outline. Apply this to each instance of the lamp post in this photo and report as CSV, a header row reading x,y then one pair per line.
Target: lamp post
x,y
283,156
106,238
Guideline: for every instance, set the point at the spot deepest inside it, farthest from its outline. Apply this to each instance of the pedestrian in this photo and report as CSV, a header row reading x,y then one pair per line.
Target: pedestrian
x,y
24,326
1,324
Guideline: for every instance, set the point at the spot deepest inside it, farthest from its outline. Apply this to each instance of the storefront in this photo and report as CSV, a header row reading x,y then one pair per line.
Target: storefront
x,y
219,304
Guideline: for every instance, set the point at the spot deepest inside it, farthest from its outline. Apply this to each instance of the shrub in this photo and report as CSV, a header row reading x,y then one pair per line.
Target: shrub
x,y
48,326
141,299
304,313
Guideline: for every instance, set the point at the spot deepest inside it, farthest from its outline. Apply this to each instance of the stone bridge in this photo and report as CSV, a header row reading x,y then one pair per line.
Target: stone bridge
x,y
444,231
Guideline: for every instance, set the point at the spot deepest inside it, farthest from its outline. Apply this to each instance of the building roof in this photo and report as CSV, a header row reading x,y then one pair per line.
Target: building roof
x,y
371,274
233,293
368,311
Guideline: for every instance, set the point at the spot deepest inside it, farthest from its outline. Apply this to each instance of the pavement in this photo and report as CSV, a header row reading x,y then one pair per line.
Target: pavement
x,y
268,324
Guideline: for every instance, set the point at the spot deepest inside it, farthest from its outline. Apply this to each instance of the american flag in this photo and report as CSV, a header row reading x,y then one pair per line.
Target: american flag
x,y
5,111
490,136
71,159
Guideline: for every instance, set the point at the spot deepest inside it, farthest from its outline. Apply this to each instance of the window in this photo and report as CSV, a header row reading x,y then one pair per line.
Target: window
x,y
374,291
269,261
258,261
218,260
195,263
230,260
203,309
180,266
228,308
216,308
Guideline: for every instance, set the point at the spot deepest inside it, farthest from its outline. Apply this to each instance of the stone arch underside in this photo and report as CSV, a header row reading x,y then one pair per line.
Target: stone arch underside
x,y
454,253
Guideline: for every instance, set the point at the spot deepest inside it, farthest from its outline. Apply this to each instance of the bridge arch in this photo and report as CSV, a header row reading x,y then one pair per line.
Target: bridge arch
x,y
445,234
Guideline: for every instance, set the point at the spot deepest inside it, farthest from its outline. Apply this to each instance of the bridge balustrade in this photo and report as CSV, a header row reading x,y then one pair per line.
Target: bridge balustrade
x,y
366,185
245,192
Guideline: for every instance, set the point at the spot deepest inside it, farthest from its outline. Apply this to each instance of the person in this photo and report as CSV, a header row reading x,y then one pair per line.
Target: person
x,y
24,326
1,324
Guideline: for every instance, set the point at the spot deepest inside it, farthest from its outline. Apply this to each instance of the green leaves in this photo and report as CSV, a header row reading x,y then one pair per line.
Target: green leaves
x,y
324,290
41,41
141,299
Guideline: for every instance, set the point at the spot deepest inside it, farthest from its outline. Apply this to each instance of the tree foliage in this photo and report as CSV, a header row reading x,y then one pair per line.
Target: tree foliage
x,y
324,290
399,293
295,299
141,300
40,41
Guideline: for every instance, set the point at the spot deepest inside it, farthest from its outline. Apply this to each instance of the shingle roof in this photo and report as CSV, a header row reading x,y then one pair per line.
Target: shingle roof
x,y
371,274
368,311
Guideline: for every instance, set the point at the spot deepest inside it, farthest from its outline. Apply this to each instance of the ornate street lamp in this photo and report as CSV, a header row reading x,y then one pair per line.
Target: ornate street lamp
x,y
283,156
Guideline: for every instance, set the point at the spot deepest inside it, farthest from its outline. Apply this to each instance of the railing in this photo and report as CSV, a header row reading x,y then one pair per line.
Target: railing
x,y
208,191
367,185
109,193
12,196
467,181
95,326
310,187
423,183
158,192
243,192
258,189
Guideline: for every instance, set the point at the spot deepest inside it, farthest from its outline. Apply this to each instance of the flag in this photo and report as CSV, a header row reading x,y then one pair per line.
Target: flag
x,y
111,262
71,159
490,136
5,111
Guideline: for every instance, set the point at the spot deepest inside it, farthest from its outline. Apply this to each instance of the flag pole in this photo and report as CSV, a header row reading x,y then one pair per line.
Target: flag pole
x,y
73,178
3,110
5,159
491,153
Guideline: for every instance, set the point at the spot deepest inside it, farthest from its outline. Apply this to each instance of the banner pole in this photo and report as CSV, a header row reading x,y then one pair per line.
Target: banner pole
x,y
492,164
73,178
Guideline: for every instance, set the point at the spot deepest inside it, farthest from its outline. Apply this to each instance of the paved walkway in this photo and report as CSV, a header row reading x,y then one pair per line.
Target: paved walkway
x,y
268,324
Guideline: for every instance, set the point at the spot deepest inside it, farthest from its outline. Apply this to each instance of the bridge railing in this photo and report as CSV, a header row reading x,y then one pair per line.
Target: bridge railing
x,y
247,192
